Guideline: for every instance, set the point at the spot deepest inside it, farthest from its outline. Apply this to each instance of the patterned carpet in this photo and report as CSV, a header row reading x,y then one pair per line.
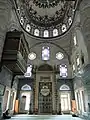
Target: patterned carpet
x,y
44,117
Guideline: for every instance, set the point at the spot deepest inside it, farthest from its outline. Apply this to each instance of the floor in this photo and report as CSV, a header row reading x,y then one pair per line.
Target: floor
x,y
45,117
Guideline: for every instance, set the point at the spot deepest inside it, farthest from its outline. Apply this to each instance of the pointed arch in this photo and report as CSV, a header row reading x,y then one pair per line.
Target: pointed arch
x,y
36,32
64,87
55,32
46,33
45,67
26,87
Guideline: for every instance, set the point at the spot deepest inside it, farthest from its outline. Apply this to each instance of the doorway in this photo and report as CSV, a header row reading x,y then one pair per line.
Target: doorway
x,y
65,102
25,101
65,98
6,100
12,100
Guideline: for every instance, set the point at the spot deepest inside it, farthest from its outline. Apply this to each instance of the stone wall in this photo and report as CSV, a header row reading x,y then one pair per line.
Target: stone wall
x,y
5,76
81,76
68,82
21,83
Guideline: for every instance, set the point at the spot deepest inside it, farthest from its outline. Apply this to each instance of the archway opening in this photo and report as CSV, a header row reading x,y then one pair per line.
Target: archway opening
x,y
25,99
65,98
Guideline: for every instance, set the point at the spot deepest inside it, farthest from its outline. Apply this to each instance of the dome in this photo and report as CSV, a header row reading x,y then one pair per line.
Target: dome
x,y
38,16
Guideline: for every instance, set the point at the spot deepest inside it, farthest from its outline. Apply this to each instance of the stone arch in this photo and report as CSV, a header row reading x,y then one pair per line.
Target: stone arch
x,y
45,67
64,87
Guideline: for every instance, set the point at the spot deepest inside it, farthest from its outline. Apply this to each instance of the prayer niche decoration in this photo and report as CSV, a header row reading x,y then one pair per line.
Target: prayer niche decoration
x,y
45,91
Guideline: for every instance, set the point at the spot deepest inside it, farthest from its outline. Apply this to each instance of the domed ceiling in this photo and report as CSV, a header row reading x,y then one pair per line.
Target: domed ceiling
x,y
46,18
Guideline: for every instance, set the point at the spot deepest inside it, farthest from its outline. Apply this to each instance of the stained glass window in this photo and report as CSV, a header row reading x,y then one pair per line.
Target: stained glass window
x,y
73,67
28,27
46,33
78,61
75,40
22,20
55,32
45,53
64,28
63,71
36,32
70,20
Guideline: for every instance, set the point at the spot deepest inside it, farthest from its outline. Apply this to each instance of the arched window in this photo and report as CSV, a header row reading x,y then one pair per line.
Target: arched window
x,y
64,28
55,32
64,87
26,87
77,60
46,33
45,53
75,40
28,27
70,21
73,67
36,32
22,20
63,70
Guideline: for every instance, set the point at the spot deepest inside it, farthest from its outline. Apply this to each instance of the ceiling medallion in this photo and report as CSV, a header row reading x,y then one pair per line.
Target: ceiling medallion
x,y
36,16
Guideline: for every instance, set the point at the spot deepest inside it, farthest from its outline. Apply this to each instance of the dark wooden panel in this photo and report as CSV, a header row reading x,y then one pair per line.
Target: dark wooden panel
x,y
15,52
